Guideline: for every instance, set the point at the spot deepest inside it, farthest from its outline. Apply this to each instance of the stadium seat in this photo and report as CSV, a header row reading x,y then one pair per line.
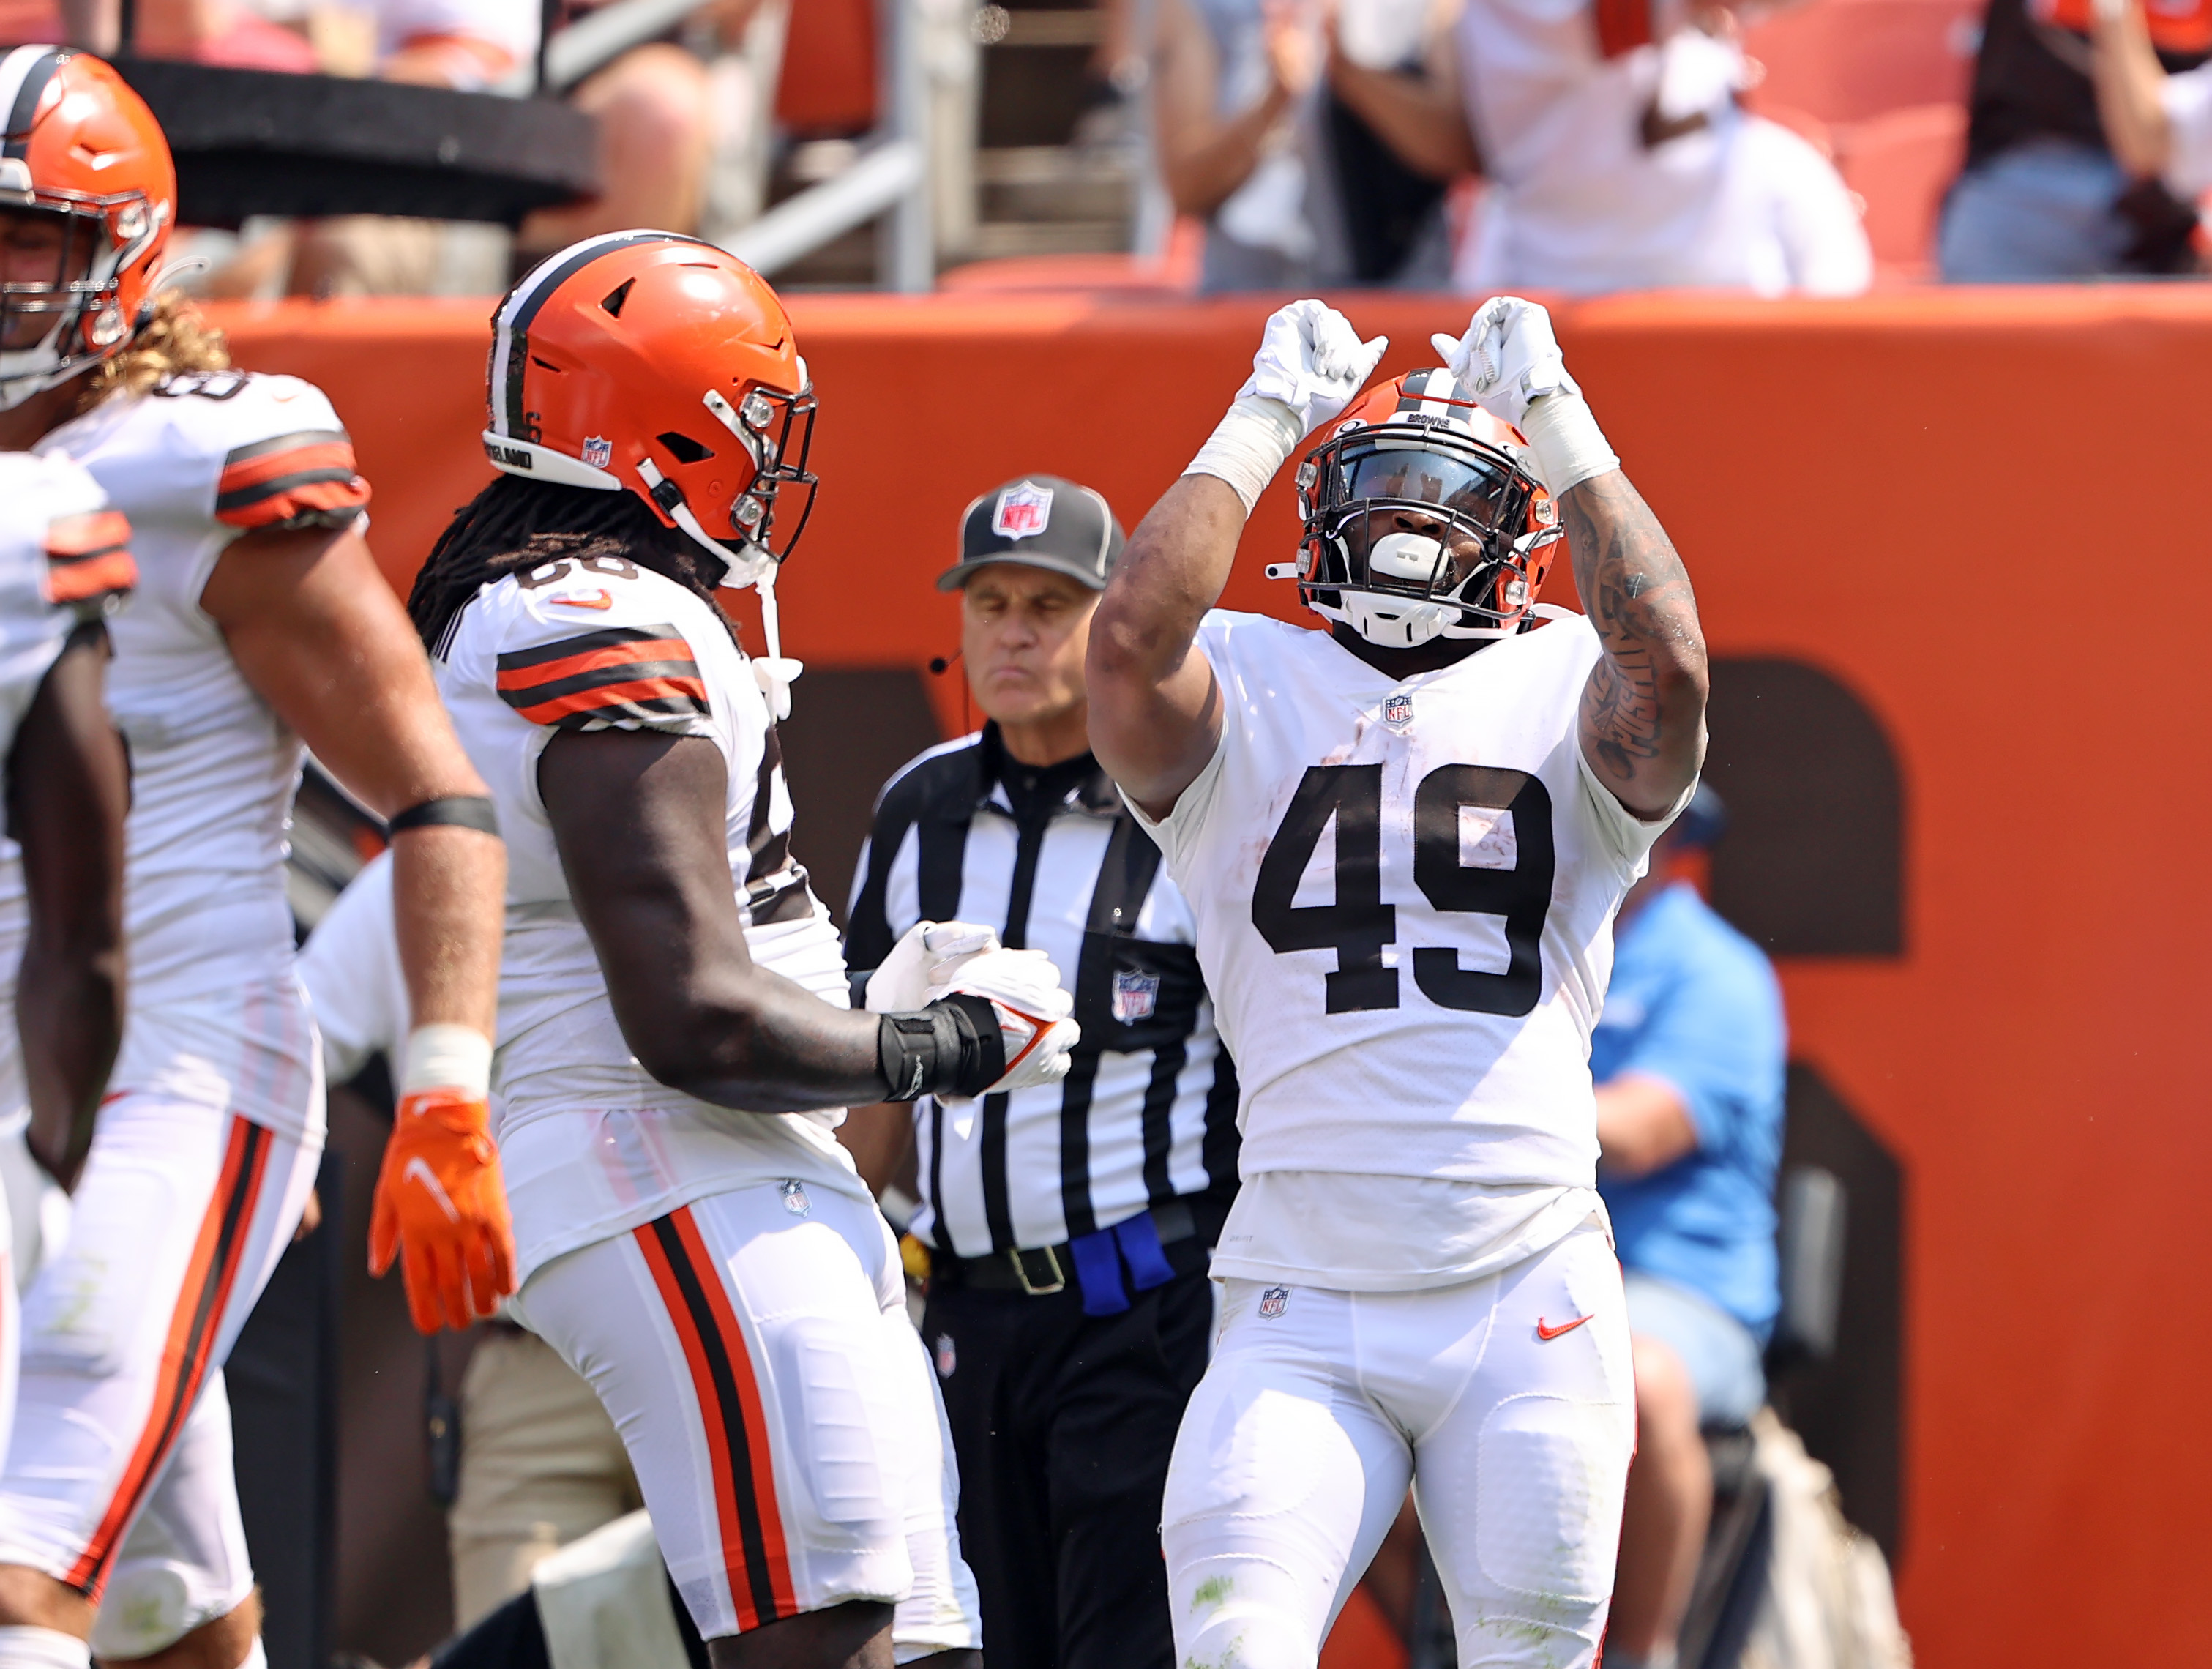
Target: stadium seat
x,y
1901,163
829,82
1847,60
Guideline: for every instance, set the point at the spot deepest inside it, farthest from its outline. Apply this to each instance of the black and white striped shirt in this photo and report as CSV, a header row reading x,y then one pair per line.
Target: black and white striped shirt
x,y
1052,859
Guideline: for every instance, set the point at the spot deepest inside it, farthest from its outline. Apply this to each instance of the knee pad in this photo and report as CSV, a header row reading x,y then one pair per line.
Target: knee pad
x,y
1244,1634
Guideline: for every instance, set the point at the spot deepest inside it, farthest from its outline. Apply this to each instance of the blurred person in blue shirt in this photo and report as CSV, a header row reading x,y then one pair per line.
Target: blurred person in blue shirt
x,y
1688,1059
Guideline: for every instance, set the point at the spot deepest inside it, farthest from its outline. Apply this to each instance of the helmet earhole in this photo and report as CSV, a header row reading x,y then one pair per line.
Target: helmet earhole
x,y
684,448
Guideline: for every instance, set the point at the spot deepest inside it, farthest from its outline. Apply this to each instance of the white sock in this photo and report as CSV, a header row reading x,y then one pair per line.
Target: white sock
x,y
42,1649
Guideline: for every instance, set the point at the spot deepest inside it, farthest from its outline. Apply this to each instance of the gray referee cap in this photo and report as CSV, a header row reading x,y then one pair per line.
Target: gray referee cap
x,y
1040,521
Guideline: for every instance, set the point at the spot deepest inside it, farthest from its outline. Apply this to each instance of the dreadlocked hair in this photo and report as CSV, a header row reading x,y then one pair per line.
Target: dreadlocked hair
x,y
514,525
173,341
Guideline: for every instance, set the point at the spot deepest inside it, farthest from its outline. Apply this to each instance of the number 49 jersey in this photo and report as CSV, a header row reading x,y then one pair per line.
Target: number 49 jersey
x,y
1405,893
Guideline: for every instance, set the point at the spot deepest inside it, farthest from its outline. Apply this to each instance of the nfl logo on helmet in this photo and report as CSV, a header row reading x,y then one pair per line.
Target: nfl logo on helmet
x,y
598,450
1022,512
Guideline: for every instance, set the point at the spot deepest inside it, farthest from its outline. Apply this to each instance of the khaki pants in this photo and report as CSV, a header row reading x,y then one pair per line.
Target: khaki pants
x,y
540,1466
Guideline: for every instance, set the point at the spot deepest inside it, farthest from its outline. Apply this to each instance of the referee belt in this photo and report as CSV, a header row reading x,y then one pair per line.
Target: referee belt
x,y
1157,1245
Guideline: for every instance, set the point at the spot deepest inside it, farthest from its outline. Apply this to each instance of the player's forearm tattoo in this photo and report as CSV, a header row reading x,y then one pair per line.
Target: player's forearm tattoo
x,y
1637,595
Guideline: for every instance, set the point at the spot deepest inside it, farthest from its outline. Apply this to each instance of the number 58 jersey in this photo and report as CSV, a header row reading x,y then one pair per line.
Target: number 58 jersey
x,y
592,1145
1405,893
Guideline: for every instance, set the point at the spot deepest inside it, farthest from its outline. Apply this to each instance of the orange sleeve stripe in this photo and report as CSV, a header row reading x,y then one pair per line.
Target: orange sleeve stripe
x,y
93,576
85,535
613,698
254,471
325,496
591,660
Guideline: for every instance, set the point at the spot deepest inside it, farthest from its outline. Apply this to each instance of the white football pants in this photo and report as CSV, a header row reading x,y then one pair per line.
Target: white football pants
x,y
754,1352
1510,1403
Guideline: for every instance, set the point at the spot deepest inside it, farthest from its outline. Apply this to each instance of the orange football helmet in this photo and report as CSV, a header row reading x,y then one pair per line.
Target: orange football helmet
x,y
80,146
1422,520
655,364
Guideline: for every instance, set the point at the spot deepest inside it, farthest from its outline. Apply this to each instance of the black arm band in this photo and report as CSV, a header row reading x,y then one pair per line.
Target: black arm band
x,y
449,811
952,1047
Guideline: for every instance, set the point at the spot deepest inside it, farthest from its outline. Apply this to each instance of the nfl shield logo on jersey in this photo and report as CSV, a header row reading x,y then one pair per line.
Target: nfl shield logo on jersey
x,y
1022,512
1272,1302
1135,997
795,1200
598,450
1398,712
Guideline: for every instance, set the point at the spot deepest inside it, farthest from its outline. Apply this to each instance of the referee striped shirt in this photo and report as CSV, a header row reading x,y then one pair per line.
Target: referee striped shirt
x,y
1053,859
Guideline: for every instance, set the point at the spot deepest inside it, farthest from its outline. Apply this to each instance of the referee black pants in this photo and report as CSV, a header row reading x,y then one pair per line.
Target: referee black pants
x,y
1063,1423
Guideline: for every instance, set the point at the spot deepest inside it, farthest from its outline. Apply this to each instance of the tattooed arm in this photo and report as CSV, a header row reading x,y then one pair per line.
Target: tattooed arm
x,y
1643,709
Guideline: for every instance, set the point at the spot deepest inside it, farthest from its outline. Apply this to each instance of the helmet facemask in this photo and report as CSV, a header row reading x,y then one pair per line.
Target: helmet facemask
x,y
61,320
777,432
1414,531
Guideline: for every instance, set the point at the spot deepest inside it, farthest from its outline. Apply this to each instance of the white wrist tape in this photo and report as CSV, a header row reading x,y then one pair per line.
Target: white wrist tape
x,y
447,1058
1570,447
1251,442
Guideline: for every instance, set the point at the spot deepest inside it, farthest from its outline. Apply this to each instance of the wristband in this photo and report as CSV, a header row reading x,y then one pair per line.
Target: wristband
x,y
1253,441
449,811
1570,447
447,1057
952,1047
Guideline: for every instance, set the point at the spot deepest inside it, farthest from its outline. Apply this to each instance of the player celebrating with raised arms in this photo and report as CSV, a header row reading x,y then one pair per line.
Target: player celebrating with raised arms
x,y
1405,839
259,621
675,1041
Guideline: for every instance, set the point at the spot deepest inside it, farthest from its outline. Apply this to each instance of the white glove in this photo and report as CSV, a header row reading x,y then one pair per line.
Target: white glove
x,y
1510,362
1313,362
1024,990
1508,358
930,954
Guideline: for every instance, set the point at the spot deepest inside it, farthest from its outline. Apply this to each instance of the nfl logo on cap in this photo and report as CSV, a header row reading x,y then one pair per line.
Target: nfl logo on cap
x,y
1022,512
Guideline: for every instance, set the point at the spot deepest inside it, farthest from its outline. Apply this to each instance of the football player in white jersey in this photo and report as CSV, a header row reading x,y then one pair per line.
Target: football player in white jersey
x,y
259,621
675,1041
1405,839
65,564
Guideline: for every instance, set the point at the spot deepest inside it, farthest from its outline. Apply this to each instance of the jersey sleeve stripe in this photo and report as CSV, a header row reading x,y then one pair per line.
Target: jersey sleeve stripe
x,y
89,557
111,573
274,481
579,655
89,535
642,698
663,637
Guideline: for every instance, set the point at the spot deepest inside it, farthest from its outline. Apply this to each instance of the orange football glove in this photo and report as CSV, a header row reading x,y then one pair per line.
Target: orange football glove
x,y
441,1205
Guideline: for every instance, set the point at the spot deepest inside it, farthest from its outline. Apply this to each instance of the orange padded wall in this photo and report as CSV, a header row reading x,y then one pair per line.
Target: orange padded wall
x,y
1983,512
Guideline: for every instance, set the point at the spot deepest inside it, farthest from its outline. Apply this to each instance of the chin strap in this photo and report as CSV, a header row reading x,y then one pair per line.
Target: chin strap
x,y
775,671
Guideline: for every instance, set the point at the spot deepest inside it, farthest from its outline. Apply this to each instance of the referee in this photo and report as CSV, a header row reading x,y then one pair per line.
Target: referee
x,y
1069,1225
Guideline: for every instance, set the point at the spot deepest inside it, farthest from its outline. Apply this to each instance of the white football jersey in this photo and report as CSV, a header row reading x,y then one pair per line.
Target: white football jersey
x,y
193,466
592,1144
64,556
1405,893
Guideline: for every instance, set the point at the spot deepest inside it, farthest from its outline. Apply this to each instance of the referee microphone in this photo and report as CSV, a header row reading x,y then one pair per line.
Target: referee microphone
x,y
940,664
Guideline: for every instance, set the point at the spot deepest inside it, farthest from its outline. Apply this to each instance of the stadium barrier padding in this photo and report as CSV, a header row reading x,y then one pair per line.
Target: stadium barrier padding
x,y
1982,514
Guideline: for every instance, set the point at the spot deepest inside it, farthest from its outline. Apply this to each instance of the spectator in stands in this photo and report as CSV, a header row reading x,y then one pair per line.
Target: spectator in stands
x,y
2067,174
1688,1059
1614,160
1297,189
2159,125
